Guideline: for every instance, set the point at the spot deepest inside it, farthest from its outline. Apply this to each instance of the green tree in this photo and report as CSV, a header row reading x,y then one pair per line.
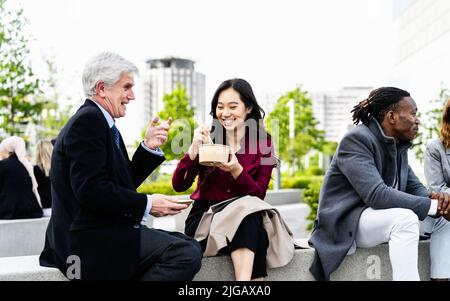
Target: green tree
x,y
307,136
431,124
18,85
311,198
53,116
176,105
296,149
53,119
329,148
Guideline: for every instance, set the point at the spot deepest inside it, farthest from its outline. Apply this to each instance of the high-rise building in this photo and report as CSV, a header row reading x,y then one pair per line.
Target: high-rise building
x,y
268,100
332,110
163,75
422,56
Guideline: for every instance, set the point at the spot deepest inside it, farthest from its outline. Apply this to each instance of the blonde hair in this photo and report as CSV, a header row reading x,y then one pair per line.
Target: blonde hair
x,y
44,150
16,145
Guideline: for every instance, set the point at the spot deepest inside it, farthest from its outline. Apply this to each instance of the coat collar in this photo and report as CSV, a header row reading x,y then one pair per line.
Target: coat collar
x,y
441,144
375,127
447,150
120,152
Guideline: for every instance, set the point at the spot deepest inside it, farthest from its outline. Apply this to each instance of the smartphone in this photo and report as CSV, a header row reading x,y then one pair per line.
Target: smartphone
x,y
187,202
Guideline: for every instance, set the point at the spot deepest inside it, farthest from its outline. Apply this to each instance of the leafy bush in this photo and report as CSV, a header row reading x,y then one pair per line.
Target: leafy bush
x,y
313,171
300,182
311,197
162,187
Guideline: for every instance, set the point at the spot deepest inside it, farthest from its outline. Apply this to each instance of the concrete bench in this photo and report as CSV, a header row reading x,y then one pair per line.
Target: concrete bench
x,y
27,268
275,197
365,264
21,237
283,196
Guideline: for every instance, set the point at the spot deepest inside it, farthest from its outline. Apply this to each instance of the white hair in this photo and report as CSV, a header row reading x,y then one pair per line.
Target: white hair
x,y
107,67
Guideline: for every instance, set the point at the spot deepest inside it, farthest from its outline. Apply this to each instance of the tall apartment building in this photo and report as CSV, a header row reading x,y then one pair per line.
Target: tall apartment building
x,y
423,48
163,75
268,100
422,60
332,109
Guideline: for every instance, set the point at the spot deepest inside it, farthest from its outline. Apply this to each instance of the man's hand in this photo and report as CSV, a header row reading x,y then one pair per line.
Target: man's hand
x,y
163,205
443,199
156,135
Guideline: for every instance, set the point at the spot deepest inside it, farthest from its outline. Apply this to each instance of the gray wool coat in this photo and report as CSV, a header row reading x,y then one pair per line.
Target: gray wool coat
x,y
361,175
437,166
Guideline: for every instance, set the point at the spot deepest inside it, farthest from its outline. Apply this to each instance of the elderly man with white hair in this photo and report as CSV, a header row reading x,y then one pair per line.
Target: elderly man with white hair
x,y
98,219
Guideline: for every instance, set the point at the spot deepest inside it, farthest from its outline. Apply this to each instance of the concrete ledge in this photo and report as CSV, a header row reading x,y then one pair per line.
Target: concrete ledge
x,y
364,265
283,196
361,266
275,197
22,237
27,268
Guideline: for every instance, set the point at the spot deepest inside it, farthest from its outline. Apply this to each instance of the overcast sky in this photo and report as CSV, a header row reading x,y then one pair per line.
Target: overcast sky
x,y
274,44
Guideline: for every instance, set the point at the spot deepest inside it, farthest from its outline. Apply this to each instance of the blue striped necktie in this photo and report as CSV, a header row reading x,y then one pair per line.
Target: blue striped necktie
x,y
115,135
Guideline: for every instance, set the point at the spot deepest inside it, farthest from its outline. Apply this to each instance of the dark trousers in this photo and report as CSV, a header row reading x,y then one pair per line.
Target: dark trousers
x,y
250,235
168,256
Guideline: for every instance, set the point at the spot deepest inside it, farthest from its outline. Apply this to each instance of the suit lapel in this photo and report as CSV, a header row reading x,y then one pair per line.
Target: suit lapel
x,y
120,160
122,163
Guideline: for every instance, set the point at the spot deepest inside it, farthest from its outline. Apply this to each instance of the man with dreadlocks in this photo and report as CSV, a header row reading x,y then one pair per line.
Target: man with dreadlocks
x,y
370,195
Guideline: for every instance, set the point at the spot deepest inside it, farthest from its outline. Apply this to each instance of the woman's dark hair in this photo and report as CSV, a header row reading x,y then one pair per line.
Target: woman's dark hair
x,y
379,102
248,97
245,91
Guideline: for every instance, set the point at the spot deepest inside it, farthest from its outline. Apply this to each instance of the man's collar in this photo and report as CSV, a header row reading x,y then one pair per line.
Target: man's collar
x,y
108,117
375,127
